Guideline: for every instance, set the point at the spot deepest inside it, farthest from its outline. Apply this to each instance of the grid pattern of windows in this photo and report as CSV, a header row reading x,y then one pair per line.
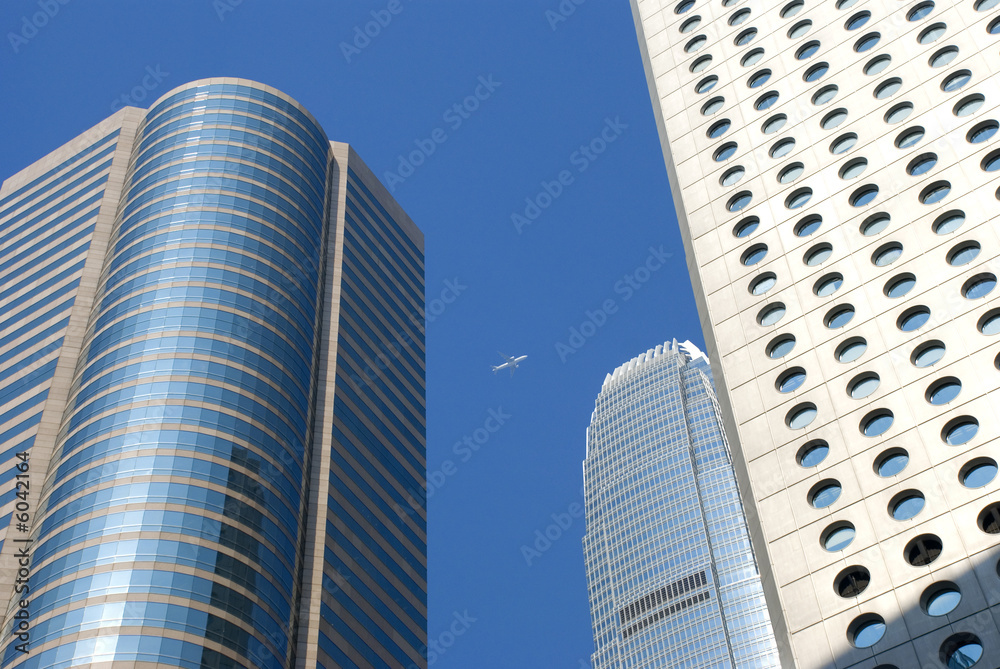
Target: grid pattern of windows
x,y
671,573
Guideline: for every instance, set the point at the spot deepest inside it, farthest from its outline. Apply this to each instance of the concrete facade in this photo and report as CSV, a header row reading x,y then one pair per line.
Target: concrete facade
x,y
763,273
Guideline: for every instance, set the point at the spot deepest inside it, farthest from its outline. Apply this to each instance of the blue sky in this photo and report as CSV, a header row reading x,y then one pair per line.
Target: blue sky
x,y
562,122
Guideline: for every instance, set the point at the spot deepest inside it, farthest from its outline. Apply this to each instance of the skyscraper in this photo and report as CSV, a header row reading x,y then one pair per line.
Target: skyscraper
x,y
670,569
212,373
835,180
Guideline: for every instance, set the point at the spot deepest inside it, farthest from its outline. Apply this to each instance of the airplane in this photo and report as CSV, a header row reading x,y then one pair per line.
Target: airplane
x,y
510,364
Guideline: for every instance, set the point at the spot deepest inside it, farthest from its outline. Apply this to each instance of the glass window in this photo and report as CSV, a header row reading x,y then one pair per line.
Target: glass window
x,y
807,50
963,254
758,79
913,319
867,42
955,81
978,473
833,119
731,176
851,350
927,354
857,20
745,37
828,285
818,255
843,143
944,391
683,6
712,106
931,34
690,24
941,599
888,89
943,56
746,227
799,198
982,132
824,95
887,254
825,494
739,201
739,17
695,44
994,27
719,128
753,57
799,29
961,651
844,4
921,164
706,84
862,386
700,63
864,195
991,163
990,324
813,453
771,314
765,101
875,224
920,11
791,380
763,283
986,5
781,346
899,286
906,505
877,64
979,286
853,169
791,9
801,416
960,431
782,148
808,225
876,423
898,113
839,317
909,137
868,632
891,462
935,192
852,581
724,152
838,537
791,173
923,550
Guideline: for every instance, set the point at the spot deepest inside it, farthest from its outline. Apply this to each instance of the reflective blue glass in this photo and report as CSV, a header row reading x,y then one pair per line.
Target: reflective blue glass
x,y
893,464
961,432
908,507
826,496
979,475
877,425
839,539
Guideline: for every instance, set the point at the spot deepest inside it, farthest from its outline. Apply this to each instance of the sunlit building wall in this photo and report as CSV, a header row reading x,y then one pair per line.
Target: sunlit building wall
x,y
834,168
671,573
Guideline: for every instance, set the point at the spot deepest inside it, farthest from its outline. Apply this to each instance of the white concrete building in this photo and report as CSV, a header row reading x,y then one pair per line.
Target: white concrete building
x,y
835,172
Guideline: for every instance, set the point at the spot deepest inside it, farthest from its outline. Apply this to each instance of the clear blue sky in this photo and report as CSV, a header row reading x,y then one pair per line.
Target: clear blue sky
x,y
551,92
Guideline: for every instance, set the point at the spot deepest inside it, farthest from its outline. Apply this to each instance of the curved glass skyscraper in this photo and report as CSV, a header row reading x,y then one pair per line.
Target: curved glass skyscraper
x,y
211,478
673,581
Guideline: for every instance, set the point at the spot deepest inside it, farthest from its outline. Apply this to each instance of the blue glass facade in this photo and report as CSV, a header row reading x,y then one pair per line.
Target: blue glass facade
x,y
174,522
672,578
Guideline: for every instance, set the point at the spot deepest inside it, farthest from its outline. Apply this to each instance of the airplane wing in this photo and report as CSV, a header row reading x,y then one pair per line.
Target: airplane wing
x,y
506,357
512,370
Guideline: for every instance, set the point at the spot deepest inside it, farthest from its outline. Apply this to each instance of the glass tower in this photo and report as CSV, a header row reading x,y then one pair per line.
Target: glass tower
x,y
200,441
833,165
672,578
